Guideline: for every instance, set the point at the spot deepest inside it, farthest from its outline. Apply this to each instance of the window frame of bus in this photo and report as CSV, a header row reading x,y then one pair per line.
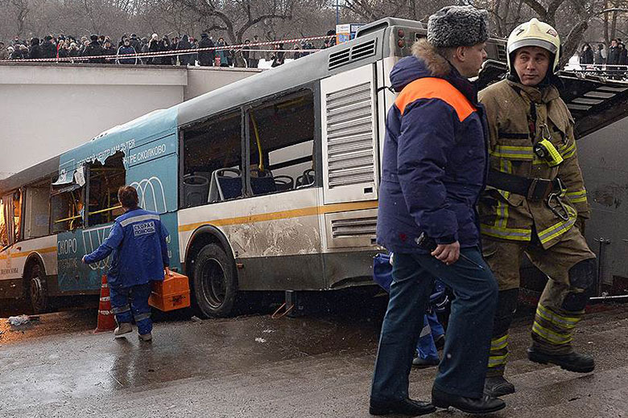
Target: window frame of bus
x,y
276,98
89,167
27,209
183,129
60,191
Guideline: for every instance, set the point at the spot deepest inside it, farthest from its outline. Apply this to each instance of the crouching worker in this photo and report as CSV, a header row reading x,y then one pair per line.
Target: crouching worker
x,y
140,255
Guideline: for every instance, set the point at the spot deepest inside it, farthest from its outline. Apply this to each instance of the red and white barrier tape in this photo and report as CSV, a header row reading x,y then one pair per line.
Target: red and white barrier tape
x,y
240,47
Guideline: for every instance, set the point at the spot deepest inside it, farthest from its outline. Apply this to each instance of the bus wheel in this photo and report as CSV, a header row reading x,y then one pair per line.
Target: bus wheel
x,y
214,283
37,289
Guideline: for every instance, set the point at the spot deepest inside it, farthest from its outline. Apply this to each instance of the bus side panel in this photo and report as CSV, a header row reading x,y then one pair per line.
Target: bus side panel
x,y
275,237
153,171
74,276
13,263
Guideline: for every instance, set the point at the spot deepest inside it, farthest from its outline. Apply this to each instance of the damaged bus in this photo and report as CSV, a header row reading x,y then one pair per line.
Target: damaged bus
x,y
268,184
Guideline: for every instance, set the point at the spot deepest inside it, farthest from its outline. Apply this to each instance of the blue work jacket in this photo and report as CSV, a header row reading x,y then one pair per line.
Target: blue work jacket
x,y
435,156
140,253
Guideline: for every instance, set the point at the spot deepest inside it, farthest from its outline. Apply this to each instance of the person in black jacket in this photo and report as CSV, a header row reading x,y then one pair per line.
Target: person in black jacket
x,y
154,46
613,53
109,49
206,58
94,49
164,46
184,43
278,57
586,55
34,51
136,43
48,49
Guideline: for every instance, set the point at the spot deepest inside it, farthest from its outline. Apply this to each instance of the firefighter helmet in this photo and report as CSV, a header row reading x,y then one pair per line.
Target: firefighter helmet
x,y
534,33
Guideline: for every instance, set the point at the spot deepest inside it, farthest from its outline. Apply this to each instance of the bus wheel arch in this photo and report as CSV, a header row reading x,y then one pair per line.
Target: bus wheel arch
x,y
213,277
35,284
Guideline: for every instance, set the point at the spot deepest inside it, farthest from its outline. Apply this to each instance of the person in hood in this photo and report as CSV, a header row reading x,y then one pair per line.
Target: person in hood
x,y
206,58
434,169
94,49
34,51
184,44
536,205
48,48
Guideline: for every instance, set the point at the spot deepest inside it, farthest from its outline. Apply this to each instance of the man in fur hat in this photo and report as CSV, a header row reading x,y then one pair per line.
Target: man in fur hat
x,y
434,170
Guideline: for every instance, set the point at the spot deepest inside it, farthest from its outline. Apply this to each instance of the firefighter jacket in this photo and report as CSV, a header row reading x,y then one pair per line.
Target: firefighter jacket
x,y
519,117
435,157
140,253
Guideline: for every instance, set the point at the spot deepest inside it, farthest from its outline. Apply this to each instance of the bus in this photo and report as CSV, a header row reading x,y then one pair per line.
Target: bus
x,y
267,184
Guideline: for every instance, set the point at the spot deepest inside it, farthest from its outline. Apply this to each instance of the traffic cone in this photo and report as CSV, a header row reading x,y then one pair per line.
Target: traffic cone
x,y
106,320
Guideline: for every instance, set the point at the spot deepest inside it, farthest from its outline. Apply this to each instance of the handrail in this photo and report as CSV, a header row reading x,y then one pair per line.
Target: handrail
x,y
105,210
89,213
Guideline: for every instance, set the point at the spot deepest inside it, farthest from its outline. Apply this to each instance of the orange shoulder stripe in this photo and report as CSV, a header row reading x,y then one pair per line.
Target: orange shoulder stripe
x,y
435,88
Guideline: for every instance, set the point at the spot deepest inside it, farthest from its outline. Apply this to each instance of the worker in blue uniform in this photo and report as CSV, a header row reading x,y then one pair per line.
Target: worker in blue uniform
x,y
140,256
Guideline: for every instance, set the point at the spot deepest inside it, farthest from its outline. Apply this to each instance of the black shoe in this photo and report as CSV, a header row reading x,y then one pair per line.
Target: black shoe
x,y
484,405
424,363
404,407
574,362
440,342
498,386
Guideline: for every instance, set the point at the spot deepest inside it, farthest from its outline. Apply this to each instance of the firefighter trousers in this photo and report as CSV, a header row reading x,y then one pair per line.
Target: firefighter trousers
x,y
570,267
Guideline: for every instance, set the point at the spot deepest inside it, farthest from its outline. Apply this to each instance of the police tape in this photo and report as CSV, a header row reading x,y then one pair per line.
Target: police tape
x,y
235,48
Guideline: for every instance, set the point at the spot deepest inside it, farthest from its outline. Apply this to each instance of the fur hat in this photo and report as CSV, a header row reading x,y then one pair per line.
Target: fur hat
x,y
454,26
93,38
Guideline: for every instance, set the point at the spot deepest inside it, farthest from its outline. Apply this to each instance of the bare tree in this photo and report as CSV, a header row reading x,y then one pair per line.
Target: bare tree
x,y
236,17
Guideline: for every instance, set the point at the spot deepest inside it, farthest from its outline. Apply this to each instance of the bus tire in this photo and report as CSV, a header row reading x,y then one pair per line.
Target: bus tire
x,y
214,282
37,289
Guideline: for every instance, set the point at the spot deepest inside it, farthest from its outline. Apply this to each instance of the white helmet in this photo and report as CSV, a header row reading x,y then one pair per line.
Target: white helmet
x,y
534,33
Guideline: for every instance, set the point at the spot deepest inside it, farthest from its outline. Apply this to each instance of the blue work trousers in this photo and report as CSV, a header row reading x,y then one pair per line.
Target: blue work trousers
x,y
463,368
432,329
129,303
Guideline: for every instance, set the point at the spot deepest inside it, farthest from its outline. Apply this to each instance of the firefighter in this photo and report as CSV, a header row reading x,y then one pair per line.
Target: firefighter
x,y
535,204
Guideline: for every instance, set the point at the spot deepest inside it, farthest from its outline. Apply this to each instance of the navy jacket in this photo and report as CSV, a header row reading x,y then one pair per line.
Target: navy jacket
x,y
138,242
435,156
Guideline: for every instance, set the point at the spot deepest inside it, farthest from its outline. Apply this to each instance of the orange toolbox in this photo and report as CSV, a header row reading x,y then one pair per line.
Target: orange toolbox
x,y
173,293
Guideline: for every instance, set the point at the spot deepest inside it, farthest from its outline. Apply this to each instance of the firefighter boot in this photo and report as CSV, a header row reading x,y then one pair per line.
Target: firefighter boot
x,y
573,362
498,386
560,309
495,384
123,328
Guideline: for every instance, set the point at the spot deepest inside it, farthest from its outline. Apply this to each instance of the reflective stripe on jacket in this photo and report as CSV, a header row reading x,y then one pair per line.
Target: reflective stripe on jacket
x,y
505,215
435,158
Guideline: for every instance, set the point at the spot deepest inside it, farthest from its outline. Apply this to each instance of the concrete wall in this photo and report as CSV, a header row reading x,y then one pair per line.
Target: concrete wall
x,y
204,79
50,108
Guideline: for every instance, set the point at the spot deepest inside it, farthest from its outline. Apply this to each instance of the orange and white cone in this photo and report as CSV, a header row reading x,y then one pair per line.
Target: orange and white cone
x,y
106,319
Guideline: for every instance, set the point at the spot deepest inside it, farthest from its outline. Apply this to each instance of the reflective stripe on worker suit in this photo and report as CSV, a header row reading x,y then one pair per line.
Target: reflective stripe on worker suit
x,y
519,118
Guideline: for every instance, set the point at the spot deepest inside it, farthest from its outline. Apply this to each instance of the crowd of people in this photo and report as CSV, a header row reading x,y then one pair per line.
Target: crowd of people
x,y
614,54
101,49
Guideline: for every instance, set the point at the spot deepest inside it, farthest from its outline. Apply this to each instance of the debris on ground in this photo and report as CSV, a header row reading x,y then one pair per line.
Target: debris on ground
x,y
260,340
16,321
196,319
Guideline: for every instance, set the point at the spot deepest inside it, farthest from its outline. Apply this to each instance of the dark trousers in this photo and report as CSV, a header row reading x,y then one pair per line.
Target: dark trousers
x,y
463,368
129,303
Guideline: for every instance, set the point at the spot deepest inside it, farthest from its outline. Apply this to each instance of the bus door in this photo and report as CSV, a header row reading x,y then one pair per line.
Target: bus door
x,y
10,224
350,157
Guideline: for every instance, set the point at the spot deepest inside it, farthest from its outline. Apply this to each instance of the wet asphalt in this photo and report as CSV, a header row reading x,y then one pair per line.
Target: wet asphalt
x,y
318,365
